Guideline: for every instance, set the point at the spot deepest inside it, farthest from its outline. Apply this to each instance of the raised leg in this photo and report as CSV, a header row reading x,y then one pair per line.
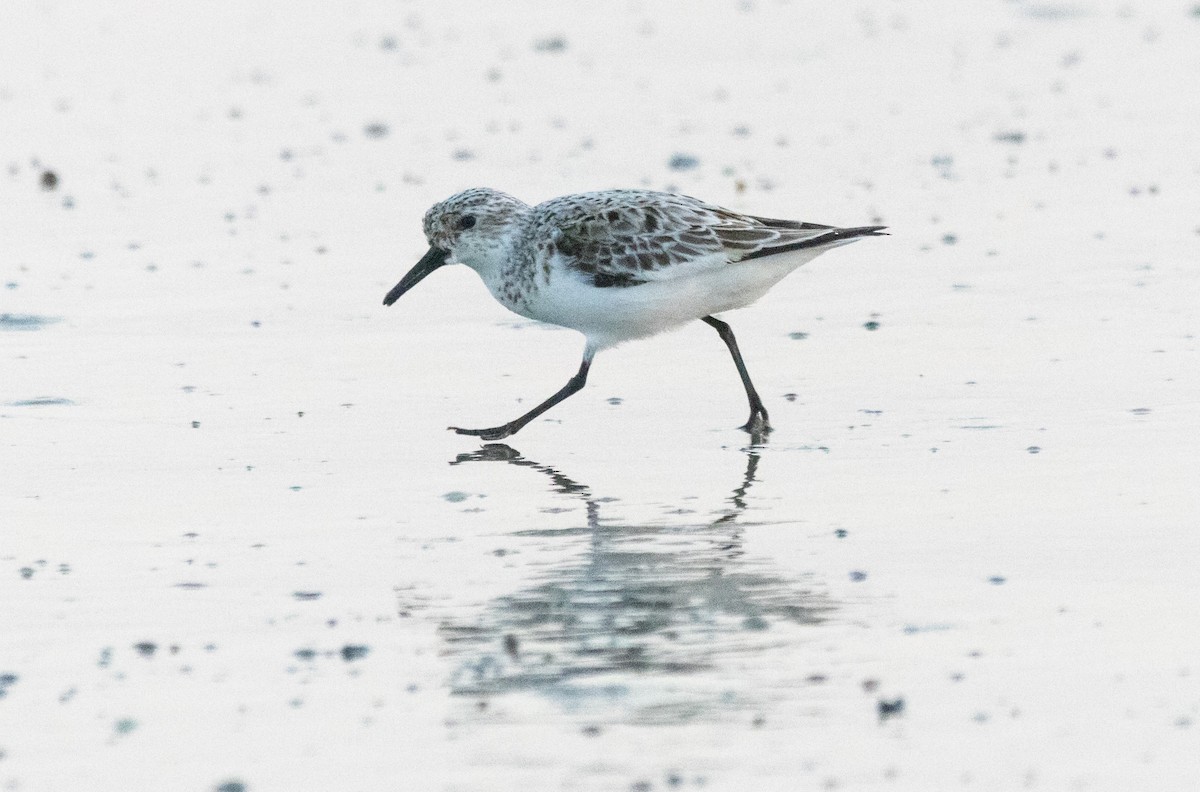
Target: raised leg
x,y
574,385
758,423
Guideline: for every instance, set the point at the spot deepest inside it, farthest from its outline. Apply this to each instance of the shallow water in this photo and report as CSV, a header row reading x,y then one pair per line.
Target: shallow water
x,y
239,551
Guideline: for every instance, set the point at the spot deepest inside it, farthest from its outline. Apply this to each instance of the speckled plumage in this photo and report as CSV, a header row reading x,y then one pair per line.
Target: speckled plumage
x,y
629,237
618,264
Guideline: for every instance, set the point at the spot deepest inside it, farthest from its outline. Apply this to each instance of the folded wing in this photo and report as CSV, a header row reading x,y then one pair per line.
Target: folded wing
x,y
629,237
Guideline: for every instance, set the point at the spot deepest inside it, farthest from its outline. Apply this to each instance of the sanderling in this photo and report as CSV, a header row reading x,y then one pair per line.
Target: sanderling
x,y
617,265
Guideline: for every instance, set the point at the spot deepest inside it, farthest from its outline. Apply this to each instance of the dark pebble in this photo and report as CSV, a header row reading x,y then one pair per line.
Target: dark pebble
x,y
352,652
683,162
888,709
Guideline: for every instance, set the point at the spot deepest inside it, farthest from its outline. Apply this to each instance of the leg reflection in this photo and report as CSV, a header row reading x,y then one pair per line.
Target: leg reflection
x,y
656,599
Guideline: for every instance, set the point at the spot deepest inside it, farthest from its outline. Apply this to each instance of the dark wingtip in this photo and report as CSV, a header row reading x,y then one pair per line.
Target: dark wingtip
x,y
832,236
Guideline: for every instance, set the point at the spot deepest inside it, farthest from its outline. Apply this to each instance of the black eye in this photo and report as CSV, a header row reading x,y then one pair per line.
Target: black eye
x,y
466,221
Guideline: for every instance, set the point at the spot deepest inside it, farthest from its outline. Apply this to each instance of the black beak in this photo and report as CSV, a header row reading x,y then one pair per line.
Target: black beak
x,y
435,258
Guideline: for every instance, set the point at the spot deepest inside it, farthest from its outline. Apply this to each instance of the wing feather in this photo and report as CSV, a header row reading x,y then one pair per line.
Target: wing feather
x,y
628,237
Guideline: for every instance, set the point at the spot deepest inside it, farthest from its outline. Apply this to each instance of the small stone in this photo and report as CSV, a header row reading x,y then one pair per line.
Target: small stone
x,y
889,709
550,44
683,162
352,652
376,130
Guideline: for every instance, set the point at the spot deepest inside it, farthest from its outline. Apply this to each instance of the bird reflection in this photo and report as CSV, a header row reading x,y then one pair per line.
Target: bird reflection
x,y
651,599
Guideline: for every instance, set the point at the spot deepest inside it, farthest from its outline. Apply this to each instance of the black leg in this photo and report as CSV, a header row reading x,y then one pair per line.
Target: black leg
x,y
758,423
574,385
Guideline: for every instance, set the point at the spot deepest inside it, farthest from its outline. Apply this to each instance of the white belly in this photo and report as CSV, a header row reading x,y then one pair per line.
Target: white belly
x,y
614,314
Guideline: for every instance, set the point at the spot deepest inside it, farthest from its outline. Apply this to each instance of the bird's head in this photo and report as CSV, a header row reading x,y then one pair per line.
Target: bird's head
x,y
472,227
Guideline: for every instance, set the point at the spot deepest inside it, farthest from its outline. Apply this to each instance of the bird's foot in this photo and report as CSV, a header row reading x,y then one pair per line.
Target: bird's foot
x,y
495,433
758,425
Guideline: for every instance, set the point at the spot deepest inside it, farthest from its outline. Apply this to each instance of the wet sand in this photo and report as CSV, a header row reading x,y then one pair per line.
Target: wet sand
x,y
239,551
